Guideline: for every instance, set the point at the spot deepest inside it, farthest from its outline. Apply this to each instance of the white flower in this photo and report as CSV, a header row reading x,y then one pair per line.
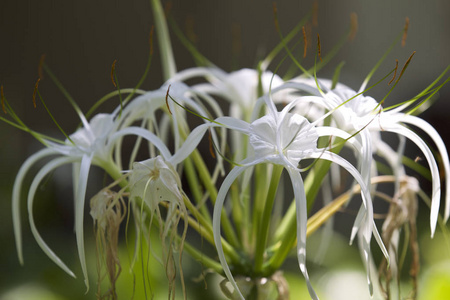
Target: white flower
x,y
87,146
92,144
155,180
285,139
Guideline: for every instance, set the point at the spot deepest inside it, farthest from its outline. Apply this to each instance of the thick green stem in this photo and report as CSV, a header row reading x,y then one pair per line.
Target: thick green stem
x,y
165,46
194,186
263,232
211,188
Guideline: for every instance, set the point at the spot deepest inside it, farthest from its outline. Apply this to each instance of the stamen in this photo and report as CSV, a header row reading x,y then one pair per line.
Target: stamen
x,y
151,39
405,66
405,32
417,159
35,91
167,99
2,95
315,13
305,41
395,72
353,26
167,9
190,32
319,51
211,147
41,65
113,70
275,16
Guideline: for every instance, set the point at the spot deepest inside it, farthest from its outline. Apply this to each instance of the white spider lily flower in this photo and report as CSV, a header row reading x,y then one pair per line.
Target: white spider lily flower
x,y
239,88
87,146
92,144
285,139
365,114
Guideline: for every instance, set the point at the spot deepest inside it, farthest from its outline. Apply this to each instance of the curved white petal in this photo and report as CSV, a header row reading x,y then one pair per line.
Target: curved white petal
x,y
435,182
189,145
80,195
427,128
235,124
137,131
231,177
17,188
34,185
301,212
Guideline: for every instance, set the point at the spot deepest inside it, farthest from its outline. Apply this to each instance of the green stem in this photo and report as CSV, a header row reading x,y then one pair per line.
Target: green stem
x,y
194,186
211,188
259,200
263,232
165,46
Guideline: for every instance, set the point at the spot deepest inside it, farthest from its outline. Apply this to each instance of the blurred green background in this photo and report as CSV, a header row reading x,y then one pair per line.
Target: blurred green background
x,y
82,38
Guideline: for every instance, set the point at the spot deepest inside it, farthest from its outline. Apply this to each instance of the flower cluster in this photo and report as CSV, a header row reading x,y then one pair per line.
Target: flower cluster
x,y
273,130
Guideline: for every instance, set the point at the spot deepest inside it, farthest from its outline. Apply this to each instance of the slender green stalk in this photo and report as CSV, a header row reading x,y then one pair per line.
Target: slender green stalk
x,y
259,199
194,187
211,188
165,46
263,230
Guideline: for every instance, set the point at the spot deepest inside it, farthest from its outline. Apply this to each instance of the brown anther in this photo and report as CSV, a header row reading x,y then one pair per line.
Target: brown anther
x,y
167,8
190,32
151,39
319,51
113,69
211,148
41,65
395,72
315,13
35,91
236,43
305,41
353,26
275,15
417,159
167,99
405,32
405,66
2,95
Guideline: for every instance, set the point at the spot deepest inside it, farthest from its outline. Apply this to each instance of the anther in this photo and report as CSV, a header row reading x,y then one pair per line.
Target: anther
x,y
41,65
113,69
211,150
167,99
151,39
319,51
405,66
2,95
35,91
315,13
275,15
405,32
167,9
305,41
353,26
395,72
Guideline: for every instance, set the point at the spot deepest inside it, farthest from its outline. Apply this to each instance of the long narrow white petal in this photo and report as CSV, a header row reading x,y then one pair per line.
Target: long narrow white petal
x,y
34,185
366,198
189,145
17,188
231,177
301,209
80,195
235,124
146,135
427,128
435,182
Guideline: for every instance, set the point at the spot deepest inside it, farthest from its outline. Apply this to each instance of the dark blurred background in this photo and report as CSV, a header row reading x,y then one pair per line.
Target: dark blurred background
x,y
81,39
